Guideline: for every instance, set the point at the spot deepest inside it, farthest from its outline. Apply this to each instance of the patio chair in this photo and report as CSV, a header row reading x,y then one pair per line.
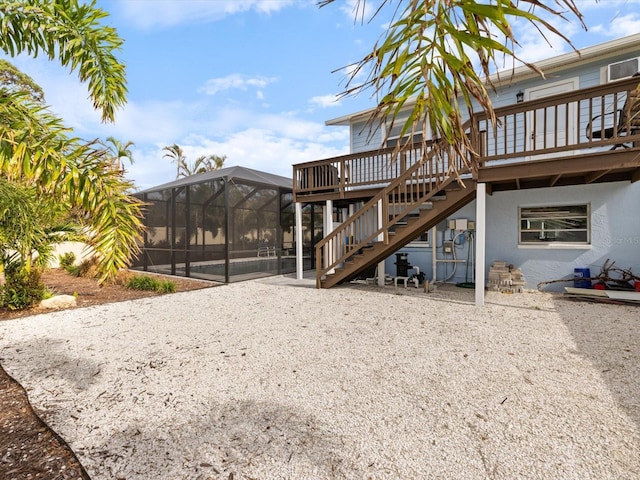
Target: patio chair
x,y
626,121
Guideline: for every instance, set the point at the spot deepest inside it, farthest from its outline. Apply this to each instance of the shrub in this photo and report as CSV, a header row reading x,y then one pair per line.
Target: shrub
x,y
22,289
86,268
167,286
67,260
145,282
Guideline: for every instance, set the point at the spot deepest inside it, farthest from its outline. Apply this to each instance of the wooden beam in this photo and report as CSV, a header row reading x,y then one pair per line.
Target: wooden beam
x,y
554,180
635,175
592,177
570,165
517,183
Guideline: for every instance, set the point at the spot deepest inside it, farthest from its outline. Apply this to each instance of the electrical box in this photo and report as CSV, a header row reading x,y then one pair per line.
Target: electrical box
x,y
447,247
471,225
461,224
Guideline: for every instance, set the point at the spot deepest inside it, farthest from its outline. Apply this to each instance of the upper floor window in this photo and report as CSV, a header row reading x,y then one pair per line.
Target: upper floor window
x,y
624,69
555,224
393,131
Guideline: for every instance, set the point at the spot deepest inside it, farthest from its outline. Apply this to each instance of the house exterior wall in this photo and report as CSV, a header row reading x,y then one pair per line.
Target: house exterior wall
x,y
363,138
614,224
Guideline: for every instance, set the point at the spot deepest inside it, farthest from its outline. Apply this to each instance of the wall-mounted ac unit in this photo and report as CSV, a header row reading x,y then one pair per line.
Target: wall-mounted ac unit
x,y
624,69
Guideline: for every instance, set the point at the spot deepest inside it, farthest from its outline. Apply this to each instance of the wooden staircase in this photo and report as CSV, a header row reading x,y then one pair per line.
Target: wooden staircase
x,y
415,201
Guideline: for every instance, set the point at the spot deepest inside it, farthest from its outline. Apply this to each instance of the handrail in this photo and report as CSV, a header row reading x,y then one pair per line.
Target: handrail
x,y
421,181
554,125
509,141
417,174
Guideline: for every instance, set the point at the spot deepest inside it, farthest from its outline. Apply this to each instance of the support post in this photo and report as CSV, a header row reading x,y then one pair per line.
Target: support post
x,y
327,215
298,239
481,229
381,272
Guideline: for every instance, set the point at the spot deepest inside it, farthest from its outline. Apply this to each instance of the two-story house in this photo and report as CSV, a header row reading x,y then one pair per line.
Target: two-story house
x,y
554,187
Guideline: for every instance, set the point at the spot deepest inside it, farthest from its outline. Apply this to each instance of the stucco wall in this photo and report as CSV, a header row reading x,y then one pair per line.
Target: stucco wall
x,y
615,234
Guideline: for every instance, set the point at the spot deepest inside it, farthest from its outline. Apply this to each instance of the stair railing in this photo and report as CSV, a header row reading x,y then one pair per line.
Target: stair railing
x,y
416,185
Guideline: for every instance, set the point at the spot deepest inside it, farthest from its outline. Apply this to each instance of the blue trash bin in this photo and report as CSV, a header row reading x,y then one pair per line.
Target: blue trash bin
x,y
579,276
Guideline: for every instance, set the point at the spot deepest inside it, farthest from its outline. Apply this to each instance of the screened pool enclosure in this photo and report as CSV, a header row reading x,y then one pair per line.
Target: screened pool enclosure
x,y
227,225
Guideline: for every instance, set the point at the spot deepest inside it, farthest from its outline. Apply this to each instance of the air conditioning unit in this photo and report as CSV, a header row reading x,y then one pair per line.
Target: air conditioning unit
x,y
624,69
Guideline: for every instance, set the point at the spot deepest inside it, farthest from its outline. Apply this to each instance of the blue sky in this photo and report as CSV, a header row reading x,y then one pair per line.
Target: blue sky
x,y
254,80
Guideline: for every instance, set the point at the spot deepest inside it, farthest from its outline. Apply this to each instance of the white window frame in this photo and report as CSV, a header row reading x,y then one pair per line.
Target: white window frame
x,y
551,242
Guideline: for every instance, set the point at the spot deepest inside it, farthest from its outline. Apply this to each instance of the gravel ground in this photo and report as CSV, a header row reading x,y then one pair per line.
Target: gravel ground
x,y
273,379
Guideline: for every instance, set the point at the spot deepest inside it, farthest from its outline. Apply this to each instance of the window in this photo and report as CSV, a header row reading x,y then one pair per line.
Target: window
x,y
624,69
394,129
423,239
561,224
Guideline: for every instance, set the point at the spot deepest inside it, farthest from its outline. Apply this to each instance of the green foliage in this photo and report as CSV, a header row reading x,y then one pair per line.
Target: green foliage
x,y
86,268
14,80
71,32
67,260
22,289
436,52
167,286
117,151
145,282
204,163
70,177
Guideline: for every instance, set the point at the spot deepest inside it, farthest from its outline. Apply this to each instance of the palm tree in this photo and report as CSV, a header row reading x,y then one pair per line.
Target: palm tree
x,y
175,153
70,32
208,163
14,80
428,56
118,151
204,163
35,150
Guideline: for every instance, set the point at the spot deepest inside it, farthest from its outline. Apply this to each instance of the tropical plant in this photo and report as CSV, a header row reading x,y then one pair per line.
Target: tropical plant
x,y
145,282
28,229
204,163
36,152
437,55
117,151
14,80
71,32
175,153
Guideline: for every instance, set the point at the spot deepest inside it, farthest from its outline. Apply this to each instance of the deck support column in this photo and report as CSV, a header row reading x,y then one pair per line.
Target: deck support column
x,y
481,230
381,272
298,239
327,216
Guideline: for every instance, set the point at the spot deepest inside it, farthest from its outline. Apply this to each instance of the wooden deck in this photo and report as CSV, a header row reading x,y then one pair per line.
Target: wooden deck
x,y
578,138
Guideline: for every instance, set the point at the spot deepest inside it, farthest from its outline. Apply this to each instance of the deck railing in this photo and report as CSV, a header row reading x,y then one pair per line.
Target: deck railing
x,y
571,123
575,122
424,178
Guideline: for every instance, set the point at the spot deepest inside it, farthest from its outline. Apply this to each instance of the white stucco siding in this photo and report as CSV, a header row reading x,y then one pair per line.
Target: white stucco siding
x,y
615,231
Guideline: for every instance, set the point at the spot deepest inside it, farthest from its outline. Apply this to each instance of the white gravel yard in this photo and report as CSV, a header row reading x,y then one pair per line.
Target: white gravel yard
x,y
273,379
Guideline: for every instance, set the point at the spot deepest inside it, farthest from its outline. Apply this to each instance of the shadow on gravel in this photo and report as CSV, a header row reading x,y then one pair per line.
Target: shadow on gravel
x,y
244,439
611,342
49,358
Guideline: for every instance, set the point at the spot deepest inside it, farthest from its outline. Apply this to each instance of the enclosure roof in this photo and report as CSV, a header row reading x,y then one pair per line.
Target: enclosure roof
x,y
228,174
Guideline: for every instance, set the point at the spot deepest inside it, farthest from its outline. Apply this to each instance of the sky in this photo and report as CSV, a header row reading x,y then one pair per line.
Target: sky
x,y
255,80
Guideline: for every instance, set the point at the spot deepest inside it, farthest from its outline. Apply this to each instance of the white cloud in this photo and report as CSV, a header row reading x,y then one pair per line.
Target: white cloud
x,y
325,101
234,81
619,26
258,148
360,10
147,15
